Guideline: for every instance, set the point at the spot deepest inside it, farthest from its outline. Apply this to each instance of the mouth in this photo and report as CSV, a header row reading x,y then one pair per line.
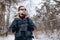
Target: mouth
x,y
22,14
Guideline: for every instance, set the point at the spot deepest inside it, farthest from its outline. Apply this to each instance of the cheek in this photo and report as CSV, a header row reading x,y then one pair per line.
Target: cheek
x,y
25,12
20,11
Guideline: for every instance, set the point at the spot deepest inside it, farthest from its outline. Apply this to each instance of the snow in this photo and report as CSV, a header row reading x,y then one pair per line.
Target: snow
x,y
39,35
9,37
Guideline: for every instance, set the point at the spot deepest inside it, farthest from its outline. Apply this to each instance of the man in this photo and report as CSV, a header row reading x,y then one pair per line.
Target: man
x,y
22,26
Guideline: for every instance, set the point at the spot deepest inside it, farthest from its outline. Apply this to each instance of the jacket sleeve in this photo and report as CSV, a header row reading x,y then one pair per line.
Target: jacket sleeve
x,y
31,25
13,26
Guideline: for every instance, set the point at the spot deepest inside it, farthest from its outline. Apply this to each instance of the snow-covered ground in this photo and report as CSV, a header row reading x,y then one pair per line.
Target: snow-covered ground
x,y
9,37
40,35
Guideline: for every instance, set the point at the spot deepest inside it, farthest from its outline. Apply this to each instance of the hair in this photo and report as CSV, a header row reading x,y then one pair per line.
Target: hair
x,y
20,7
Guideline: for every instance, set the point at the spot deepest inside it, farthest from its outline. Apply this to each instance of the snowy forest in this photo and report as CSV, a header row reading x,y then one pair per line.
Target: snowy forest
x,y
44,13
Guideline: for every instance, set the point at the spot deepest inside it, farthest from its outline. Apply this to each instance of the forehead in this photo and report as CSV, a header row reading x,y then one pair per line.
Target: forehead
x,y
22,8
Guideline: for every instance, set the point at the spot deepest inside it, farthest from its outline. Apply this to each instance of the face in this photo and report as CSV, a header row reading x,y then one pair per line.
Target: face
x,y
22,12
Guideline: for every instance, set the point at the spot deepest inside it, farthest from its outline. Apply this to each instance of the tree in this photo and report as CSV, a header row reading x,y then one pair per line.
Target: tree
x,y
49,20
3,5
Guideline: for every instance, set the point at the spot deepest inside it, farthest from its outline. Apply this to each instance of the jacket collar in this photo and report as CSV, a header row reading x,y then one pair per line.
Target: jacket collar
x,y
19,17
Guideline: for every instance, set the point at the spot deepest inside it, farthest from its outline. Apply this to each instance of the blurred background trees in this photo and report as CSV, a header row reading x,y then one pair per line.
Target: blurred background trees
x,y
45,14
4,21
48,15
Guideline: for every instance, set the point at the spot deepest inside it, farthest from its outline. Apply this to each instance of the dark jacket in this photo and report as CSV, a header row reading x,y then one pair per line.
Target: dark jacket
x,y
26,22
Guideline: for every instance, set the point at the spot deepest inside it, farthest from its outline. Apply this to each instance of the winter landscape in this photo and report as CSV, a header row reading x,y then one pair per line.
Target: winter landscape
x,y
44,13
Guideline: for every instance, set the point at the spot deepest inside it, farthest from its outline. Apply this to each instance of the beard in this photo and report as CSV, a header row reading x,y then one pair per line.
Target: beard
x,y
22,15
